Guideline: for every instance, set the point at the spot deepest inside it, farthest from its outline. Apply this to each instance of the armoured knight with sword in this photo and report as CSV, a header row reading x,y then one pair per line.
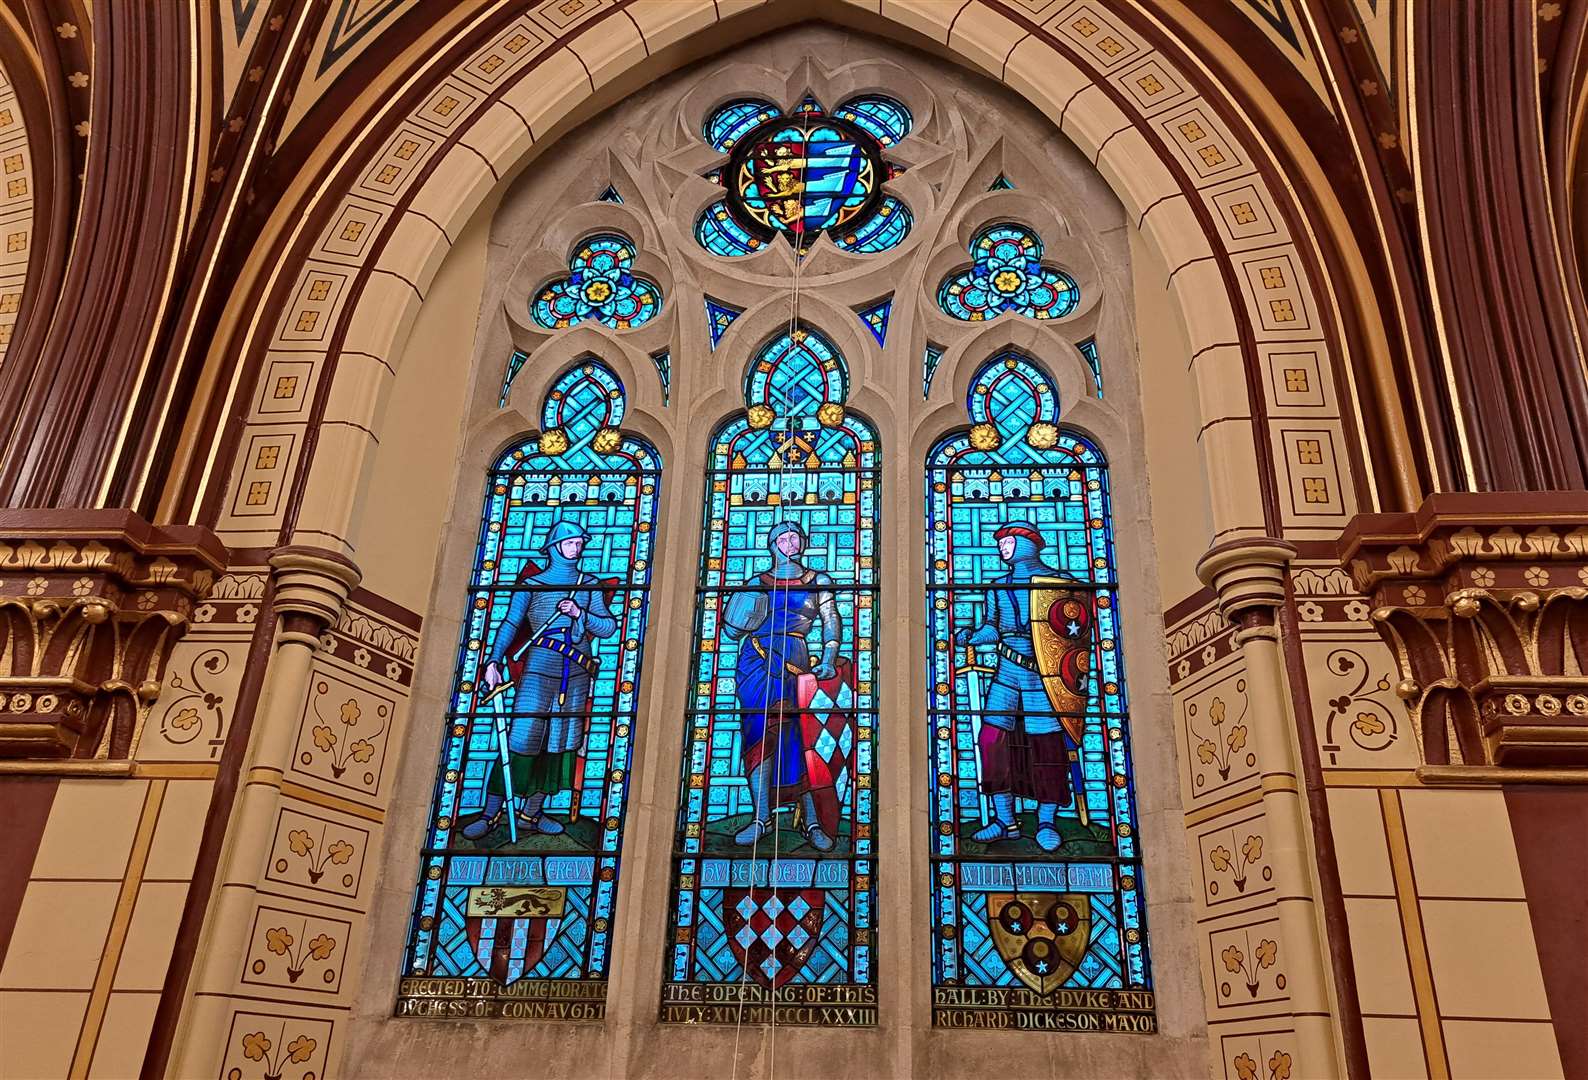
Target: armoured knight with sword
x,y
543,651
777,679
1040,631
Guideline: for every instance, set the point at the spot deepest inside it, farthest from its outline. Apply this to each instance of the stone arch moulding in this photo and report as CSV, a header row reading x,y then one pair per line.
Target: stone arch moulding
x,y
1179,168
342,302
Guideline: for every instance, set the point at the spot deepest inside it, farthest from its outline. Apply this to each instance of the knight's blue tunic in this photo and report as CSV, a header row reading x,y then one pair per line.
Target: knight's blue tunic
x,y
771,658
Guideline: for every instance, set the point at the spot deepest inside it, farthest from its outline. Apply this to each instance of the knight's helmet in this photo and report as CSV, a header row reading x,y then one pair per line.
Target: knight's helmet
x,y
563,530
1028,538
783,528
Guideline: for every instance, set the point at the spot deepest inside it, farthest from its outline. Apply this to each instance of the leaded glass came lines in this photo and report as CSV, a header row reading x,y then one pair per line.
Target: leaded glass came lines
x,y
1007,274
1035,869
600,285
521,857
774,890
804,174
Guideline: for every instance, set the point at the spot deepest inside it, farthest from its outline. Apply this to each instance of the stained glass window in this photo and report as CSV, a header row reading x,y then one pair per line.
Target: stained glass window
x,y
1089,350
1007,274
600,285
515,364
514,909
729,123
719,317
803,174
774,890
885,229
664,371
875,317
1035,869
930,358
882,118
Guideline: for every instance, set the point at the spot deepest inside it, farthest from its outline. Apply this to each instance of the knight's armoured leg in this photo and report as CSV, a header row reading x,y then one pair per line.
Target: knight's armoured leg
x,y
1048,837
1003,825
761,795
483,824
544,823
532,805
813,830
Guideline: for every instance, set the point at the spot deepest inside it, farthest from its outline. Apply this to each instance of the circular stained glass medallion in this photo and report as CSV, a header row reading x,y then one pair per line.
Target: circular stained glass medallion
x,y
803,175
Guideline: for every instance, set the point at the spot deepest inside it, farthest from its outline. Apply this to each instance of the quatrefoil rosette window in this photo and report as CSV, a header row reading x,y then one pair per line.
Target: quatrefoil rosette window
x,y
805,173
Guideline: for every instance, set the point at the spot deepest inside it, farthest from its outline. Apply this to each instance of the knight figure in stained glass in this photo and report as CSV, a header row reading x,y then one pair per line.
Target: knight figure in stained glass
x,y
1036,873
776,675
774,879
520,865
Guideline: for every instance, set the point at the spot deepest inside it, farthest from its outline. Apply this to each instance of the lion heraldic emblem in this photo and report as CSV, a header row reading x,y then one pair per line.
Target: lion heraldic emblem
x,y
1041,936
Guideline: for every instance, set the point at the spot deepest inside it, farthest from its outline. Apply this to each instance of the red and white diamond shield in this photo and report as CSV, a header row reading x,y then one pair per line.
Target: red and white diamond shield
x,y
773,931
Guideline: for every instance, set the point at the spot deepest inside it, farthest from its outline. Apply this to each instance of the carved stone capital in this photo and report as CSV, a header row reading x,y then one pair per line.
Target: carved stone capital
x,y
1484,601
312,585
91,602
1248,576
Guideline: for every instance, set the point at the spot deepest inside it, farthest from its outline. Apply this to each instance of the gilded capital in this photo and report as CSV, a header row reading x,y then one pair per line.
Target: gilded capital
x,y
1248,577
311,586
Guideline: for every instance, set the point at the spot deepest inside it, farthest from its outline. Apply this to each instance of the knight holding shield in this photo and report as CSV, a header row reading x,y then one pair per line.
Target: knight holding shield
x,y
777,680
1032,712
542,649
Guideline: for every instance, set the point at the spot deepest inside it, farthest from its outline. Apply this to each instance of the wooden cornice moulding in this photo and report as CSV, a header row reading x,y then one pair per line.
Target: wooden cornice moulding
x,y
91,603
1483,598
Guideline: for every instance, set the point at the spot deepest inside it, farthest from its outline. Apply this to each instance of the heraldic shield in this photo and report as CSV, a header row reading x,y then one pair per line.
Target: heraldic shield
x,y
1041,936
1061,634
773,931
508,929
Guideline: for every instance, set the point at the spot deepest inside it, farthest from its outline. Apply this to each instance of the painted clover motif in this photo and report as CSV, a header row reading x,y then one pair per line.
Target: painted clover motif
x,y
600,285
1007,274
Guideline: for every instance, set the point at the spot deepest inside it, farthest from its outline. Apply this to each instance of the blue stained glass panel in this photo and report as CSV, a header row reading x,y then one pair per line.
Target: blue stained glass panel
x,y
773,912
1035,866
876,319
514,909
932,357
727,125
610,195
1089,350
719,317
883,118
885,229
515,364
1001,183
664,371
1007,274
600,285
720,234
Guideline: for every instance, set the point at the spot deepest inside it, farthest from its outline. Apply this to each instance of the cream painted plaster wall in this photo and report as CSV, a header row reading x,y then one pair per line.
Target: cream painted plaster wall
x,y
1182,520
410,489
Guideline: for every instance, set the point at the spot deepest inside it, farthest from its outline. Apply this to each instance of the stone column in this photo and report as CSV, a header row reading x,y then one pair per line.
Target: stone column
x,y
311,585
1249,578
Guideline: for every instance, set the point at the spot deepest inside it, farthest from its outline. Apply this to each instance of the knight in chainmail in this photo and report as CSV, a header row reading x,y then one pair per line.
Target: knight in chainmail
x,y
549,627
769,623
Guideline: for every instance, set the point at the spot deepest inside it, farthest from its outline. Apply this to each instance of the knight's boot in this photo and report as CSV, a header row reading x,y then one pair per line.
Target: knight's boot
x,y
543,822
489,818
1048,838
813,829
762,799
1002,826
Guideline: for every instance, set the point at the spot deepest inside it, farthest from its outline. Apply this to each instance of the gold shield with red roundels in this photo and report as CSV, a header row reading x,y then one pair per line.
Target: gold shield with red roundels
x,y
1061,636
1041,936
